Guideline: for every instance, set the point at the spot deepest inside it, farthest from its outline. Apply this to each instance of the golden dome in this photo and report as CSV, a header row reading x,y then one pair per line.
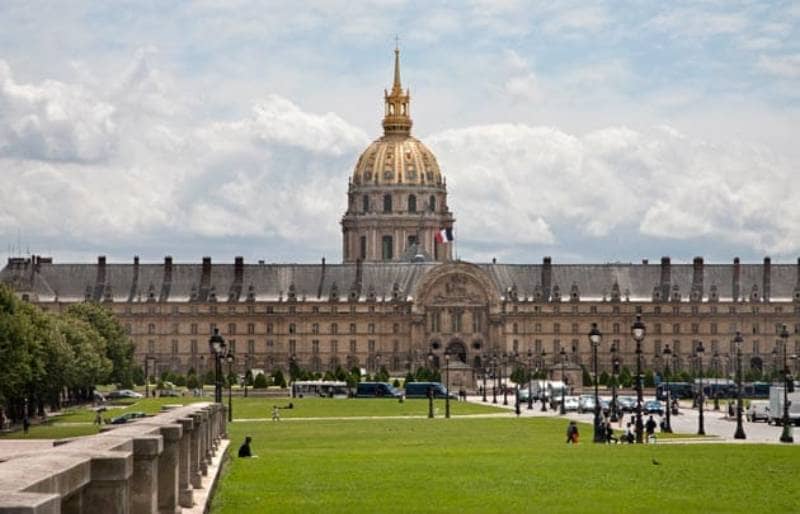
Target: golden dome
x,y
397,160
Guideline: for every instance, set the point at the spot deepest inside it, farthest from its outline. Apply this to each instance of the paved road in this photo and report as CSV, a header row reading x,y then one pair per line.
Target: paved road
x,y
716,423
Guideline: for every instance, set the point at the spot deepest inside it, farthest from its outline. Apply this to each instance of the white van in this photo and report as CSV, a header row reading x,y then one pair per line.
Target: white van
x,y
776,406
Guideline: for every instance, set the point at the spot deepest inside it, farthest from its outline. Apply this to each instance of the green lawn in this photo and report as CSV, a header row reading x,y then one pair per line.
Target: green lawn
x,y
493,465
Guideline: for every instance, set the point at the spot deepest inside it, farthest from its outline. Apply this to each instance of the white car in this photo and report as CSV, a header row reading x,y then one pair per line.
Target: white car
x,y
758,410
571,403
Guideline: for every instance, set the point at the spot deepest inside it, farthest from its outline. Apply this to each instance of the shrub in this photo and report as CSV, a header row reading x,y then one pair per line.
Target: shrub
x,y
260,381
192,382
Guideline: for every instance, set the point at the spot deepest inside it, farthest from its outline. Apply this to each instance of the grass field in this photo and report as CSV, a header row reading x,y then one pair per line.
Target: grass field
x,y
493,465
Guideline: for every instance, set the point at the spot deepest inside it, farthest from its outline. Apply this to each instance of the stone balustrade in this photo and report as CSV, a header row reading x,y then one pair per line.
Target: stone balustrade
x,y
151,465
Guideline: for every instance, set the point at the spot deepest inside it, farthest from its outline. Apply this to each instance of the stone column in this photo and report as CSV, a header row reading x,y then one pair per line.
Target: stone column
x,y
144,485
184,488
195,475
204,453
109,489
168,480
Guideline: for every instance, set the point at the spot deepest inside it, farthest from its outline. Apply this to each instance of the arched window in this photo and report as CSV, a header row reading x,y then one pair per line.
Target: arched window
x,y
365,203
387,248
387,203
432,203
412,203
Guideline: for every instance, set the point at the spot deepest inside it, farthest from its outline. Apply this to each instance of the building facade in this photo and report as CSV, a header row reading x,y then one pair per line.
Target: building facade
x,y
399,300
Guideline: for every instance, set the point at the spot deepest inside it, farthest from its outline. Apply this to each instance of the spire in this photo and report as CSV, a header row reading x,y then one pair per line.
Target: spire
x,y
396,120
397,88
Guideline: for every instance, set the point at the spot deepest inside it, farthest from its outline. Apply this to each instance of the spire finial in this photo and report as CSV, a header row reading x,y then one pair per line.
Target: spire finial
x,y
396,87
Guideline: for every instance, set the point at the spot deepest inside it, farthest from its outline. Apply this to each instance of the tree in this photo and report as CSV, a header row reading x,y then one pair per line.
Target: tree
x,y
260,381
409,378
118,348
625,377
382,375
604,378
192,382
278,379
587,378
649,378
519,375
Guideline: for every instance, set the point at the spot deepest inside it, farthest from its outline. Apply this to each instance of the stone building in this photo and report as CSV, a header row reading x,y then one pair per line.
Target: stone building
x,y
399,300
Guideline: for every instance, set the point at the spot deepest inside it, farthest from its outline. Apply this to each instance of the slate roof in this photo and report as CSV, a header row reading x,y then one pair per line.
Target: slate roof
x,y
315,282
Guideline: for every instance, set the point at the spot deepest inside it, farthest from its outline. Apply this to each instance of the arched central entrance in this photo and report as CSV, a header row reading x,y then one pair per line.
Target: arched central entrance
x,y
457,350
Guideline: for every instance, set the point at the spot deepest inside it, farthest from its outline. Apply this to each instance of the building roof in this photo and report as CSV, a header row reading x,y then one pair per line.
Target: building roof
x,y
140,282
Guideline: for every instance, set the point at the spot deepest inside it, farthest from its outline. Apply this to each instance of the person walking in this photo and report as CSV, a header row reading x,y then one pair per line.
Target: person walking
x,y
276,414
629,437
26,423
650,428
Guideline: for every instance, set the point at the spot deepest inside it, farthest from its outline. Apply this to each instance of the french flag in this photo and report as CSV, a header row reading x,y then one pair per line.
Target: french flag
x,y
444,236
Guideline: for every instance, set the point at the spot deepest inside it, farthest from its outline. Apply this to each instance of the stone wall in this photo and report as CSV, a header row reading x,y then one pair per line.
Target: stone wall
x,y
152,465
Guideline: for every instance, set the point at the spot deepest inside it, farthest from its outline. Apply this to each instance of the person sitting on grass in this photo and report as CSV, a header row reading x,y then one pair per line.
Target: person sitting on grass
x,y
572,433
276,414
244,449
610,433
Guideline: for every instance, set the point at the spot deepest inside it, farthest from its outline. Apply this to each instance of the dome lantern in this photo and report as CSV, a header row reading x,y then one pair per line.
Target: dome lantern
x,y
397,118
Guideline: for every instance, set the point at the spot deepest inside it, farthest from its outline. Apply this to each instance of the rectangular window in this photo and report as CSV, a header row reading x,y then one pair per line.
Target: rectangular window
x,y
232,329
251,328
292,328
292,346
193,346
315,328
353,347
174,347
386,248
269,328
151,346
556,328
755,328
334,346
455,321
352,328
713,328
232,346
371,328
211,327
676,328
193,329
251,346
371,345
334,328
435,321
315,346
363,247
270,343
574,328
695,328
615,328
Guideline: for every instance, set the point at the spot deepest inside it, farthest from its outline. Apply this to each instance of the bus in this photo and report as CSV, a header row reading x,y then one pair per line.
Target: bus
x,y
713,387
320,389
677,391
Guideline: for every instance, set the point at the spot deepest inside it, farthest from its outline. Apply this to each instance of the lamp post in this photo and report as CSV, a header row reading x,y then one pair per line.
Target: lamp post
x,y
638,331
230,359
786,434
217,345
502,378
544,391
715,363
562,409
614,374
595,337
147,376
430,389
447,385
246,372
530,379
494,378
484,357
699,350
739,434
667,356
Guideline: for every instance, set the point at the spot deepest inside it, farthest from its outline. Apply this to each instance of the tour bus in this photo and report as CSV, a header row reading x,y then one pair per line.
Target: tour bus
x,y
756,390
549,390
420,390
677,391
319,388
722,387
377,390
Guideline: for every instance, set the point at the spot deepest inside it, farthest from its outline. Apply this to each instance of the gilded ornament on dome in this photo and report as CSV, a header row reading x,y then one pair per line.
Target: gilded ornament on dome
x,y
387,174
368,175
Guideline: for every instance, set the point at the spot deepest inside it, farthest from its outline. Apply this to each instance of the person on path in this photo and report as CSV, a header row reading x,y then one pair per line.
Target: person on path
x,y
244,449
650,427
276,414
98,419
629,437
26,423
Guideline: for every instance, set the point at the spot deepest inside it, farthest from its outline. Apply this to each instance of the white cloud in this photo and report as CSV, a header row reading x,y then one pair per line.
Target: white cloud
x,y
784,66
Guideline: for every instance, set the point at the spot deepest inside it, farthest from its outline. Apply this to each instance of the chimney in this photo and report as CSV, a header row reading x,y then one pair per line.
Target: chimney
x,y
168,266
166,284
666,278
547,277
238,269
134,280
697,275
767,278
645,262
737,271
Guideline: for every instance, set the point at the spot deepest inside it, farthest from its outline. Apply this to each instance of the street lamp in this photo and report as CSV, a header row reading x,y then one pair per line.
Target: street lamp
x,y
447,385
217,345
544,390
485,366
147,360
494,377
502,377
699,352
530,379
739,427
595,337
638,331
247,372
430,388
786,435
230,359
614,374
563,410
667,356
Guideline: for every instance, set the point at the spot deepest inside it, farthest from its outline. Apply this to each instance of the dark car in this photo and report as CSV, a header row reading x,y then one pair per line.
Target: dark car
x,y
626,403
653,407
420,390
377,390
123,393
128,416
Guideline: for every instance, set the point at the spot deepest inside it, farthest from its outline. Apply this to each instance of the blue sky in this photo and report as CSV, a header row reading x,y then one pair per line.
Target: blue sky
x,y
589,131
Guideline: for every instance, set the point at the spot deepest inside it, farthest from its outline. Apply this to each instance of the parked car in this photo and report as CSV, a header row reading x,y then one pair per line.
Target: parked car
x,y
123,393
586,403
626,403
571,403
420,390
128,416
377,390
758,410
653,407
